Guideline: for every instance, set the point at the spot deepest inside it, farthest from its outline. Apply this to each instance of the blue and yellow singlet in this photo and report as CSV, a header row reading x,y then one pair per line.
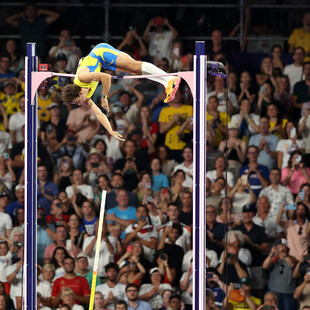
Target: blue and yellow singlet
x,y
101,56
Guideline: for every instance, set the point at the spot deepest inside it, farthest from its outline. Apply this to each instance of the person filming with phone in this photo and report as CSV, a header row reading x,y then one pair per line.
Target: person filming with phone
x,y
270,302
302,292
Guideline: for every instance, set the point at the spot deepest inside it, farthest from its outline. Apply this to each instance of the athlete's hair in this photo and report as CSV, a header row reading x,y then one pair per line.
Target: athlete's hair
x,y
70,92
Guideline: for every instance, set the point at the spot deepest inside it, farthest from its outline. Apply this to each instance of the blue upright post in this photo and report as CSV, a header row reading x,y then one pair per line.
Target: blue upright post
x,y
199,177
30,240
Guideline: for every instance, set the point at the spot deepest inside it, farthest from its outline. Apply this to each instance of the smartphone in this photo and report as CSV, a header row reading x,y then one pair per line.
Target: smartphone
x,y
298,158
176,51
68,43
69,244
291,206
116,110
302,194
262,89
308,269
209,275
237,286
49,128
95,165
72,138
268,307
148,185
6,155
169,224
244,179
129,248
163,256
293,132
149,199
142,218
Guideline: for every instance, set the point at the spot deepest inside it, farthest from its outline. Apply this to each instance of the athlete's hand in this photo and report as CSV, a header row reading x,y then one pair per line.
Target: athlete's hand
x,y
105,104
117,135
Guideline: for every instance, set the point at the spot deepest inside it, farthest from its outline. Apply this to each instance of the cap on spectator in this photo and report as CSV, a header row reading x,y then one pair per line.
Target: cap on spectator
x,y
60,57
53,105
81,255
249,207
124,263
245,280
4,194
283,241
118,104
9,82
94,151
233,125
158,21
19,186
154,270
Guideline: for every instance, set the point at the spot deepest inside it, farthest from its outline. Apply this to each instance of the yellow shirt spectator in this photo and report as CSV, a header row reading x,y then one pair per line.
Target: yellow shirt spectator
x,y
10,102
224,119
300,38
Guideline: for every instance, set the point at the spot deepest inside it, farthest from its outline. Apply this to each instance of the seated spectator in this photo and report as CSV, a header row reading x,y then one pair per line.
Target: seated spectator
x,y
300,36
175,303
297,228
67,298
79,285
225,214
283,95
117,183
216,192
212,152
234,149
152,292
99,301
16,58
281,265
288,144
295,174
165,197
45,286
239,195
294,70
59,66
157,217
268,220
220,170
142,230
301,293
278,64
5,138
276,122
133,301
121,305
57,261
112,291
5,260
245,89
242,297
265,97
267,73
67,47
79,187
159,179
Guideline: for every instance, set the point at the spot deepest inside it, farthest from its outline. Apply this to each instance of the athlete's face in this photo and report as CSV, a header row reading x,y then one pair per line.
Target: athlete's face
x,y
81,99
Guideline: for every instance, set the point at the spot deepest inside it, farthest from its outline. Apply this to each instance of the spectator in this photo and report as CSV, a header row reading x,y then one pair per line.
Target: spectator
x,y
270,299
19,202
276,193
99,301
220,93
67,47
186,210
216,45
79,285
245,90
304,195
268,221
102,184
112,291
123,214
283,96
300,36
152,292
276,53
32,24
170,120
217,120
276,121
17,122
133,302
212,152
301,97
266,144
121,305
281,265
288,144
144,190
225,214
10,98
143,231
5,138
159,179
5,219
67,297
56,216
45,286
5,72
175,303
160,40
304,131
117,183
7,175
60,240
46,190
216,193
294,70
295,174
77,237
301,293
17,61
167,164
267,75
57,261
297,229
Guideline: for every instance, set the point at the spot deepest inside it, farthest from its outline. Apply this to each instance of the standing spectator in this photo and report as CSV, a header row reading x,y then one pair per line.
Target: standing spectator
x,y
220,93
216,45
297,230
186,166
46,190
170,120
246,90
266,143
123,214
133,301
32,24
160,40
112,291
67,47
78,284
281,265
294,70
301,96
17,122
300,37
276,193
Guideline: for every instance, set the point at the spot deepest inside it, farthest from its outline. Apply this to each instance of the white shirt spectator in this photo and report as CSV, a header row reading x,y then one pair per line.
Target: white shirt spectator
x,y
84,189
156,301
16,284
282,195
269,224
188,182
146,233
16,123
118,292
5,261
222,100
236,119
5,142
113,149
45,289
187,258
294,75
285,146
212,176
239,200
5,223
306,133
160,44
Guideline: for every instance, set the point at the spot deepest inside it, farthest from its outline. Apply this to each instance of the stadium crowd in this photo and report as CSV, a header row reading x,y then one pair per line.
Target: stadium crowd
x,y
258,179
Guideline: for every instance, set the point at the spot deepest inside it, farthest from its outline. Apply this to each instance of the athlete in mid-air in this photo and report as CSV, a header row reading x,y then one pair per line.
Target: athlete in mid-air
x,y
88,75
